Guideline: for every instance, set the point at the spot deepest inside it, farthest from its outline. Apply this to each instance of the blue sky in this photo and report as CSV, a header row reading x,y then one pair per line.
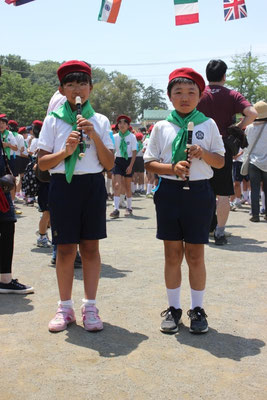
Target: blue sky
x,y
145,33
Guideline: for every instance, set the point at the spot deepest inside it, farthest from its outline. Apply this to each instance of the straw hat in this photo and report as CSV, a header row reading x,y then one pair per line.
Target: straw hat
x,y
261,108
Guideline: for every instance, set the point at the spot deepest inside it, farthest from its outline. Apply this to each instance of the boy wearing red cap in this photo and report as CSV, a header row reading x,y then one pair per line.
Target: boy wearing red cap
x,y
77,194
125,154
183,216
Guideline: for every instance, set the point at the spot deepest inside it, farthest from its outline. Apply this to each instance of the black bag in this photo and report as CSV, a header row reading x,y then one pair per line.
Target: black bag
x,y
42,176
7,181
235,140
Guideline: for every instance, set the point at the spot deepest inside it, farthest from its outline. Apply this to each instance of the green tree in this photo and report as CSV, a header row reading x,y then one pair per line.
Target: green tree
x,y
248,76
45,72
152,99
15,63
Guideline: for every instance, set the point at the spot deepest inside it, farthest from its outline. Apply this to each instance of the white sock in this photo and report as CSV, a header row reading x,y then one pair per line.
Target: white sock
x,y
66,303
197,298
174,297
141,187
88,303
133,187
108,185
262,199
116,202
129,202
245,195
149,188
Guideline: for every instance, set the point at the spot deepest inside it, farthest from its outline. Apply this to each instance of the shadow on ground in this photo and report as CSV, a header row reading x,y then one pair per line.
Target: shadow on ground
x,y
107,271
113,341
243,244
221,345
14,303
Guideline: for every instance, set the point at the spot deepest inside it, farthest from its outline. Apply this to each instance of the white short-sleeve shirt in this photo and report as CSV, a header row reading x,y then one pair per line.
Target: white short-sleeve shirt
x,y
205,135
131,144
20,143
34,145
55,132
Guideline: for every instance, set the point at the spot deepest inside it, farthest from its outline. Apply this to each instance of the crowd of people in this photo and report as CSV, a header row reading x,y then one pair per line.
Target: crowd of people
x,y
81,158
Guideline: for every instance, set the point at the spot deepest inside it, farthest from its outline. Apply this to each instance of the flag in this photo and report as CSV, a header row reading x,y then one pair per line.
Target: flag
x,y
234,9
21,2
109,11
186,12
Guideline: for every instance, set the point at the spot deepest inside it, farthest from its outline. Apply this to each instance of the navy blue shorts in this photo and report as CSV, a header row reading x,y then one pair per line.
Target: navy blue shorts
x,y
121,164
43,190
237,177
184,214
77,209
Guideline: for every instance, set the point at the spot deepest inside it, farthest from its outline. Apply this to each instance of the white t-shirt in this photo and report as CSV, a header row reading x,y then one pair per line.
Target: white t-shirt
x,y
19,142
205,135
12,140
53,137
56,101
131,144
34,145
258,156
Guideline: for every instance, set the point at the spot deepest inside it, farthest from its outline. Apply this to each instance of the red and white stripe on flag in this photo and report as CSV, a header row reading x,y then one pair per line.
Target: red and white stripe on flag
x,y
10,1
186,12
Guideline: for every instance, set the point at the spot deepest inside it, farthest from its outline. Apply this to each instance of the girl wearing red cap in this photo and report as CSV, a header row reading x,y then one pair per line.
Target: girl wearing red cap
x,y
183,216
77,194
125,153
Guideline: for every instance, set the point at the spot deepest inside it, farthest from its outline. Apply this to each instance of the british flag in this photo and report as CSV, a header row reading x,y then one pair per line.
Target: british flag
x,y
234,9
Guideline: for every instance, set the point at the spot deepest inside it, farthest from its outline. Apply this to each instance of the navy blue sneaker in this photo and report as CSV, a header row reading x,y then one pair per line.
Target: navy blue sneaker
x,y
15,287
198,321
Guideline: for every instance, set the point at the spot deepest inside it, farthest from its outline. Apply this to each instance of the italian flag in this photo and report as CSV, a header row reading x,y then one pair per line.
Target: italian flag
x,y
186,12
109,11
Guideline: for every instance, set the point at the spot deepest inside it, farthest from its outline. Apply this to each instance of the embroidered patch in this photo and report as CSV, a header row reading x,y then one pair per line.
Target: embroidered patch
x,y
200,135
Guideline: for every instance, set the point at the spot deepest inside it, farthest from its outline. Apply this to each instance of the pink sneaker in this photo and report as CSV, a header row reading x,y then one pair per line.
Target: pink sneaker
x,y
63,317
91,319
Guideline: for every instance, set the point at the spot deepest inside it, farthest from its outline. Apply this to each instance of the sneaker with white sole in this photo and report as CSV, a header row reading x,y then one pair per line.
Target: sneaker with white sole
x,y
198,320
91,319
171,321
114,214
128,212
64,316
15,287
43,242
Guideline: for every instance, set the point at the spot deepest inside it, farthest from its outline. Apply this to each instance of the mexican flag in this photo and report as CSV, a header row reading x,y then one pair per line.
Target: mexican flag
x,y
186,12
109,11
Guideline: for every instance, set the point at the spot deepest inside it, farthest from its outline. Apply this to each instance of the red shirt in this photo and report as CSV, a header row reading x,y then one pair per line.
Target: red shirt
x,y
221,104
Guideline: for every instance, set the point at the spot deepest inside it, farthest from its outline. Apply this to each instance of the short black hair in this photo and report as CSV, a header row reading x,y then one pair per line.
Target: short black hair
x,y
181,80
215,70
78,77
36,129
13,127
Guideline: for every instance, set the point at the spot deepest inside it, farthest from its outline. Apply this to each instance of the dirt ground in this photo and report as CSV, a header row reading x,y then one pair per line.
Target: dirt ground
x,y
131,359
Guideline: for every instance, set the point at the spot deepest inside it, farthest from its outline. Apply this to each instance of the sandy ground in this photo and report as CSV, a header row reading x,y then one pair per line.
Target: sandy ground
x,y
131,358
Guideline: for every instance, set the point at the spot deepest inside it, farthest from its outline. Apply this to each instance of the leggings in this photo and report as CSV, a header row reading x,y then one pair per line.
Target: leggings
x,y
7,230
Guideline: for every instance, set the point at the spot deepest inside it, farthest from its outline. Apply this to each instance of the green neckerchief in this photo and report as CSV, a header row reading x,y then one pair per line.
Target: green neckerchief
x,y
123,144
66,114
139,145
15,134
179,143
4,136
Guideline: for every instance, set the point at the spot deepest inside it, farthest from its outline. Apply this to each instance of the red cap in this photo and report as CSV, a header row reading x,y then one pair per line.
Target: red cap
x,y
127,119
190,74
139,136
12,122
36,122
73,66
3,117
150,128
22,129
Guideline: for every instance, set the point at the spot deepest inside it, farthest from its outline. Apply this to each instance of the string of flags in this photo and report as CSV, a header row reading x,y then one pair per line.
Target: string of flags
x,y
186,11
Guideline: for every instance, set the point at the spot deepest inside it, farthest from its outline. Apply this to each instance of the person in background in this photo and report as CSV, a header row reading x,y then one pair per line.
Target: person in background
x,y
222,104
